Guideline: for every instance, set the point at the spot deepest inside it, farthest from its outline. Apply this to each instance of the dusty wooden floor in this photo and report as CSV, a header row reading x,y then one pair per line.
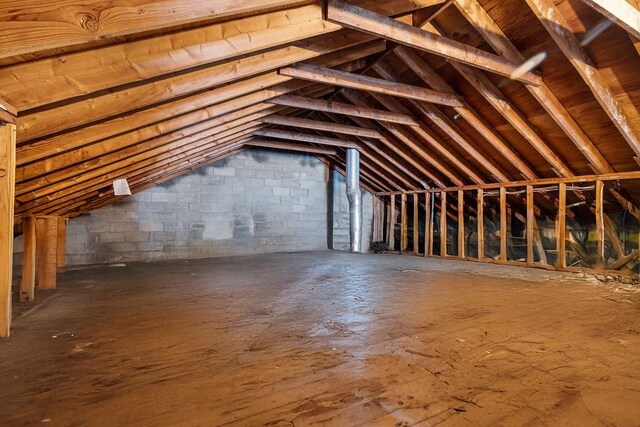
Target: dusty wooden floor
x,y
324,339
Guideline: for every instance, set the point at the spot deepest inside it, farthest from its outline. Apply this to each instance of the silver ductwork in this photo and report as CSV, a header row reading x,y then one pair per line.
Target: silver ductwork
x,y
355,199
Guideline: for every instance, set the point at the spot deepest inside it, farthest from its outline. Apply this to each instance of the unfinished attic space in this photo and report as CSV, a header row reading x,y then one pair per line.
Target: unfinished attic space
x,y
319,212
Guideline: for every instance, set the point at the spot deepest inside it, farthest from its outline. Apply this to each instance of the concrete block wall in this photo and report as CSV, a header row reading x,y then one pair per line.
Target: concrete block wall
x,y
254,202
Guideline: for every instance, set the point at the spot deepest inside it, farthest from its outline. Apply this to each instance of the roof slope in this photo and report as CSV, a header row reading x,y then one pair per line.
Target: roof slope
x,y
432,92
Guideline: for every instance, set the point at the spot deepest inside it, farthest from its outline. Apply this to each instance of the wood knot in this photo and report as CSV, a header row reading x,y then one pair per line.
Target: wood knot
x,y
3,173
89,22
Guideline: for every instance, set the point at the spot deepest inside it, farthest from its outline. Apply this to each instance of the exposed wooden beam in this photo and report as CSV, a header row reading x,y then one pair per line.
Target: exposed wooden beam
x,y
28,279
490,31
558,28
461,227
480,224
390,29
39,24
443,224
36,83
429,76
499,101
129,98
562,225
47,247
298,136
407,139
438,118
620,12
289,146
7,189
398,149
503,224
297,122
361,82
344,109
530,223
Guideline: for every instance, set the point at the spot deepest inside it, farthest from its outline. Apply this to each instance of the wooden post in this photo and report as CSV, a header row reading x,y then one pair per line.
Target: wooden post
x,y
480,224
376,215
392,223
530,220
404,226
7,196
562,225
61,249
443,224
503,224
461,238
428,226
47,245
28,282
599,223
416,224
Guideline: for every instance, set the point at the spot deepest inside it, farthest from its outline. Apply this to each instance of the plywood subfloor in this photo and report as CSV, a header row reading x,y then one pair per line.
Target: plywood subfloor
x,y
324,339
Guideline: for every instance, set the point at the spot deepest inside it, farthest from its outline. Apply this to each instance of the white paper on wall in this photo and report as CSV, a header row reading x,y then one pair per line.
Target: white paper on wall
x,y
121,187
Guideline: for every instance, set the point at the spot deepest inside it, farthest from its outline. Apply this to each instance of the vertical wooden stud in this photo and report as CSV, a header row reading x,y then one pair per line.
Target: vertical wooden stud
x,y
443,224
503,224
461,230
28,281
376,215
530,222
7,197
416,224
428,226
47,235
480,224
562,225
392,223
61,249
404,226
600,223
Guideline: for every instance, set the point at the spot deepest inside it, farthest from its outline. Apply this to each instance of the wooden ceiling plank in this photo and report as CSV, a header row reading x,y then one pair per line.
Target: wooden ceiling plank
x,y
306,137
490,31
344,109
558,28
116,103
51,80
361,82
391,29
297,122
429,76
621,12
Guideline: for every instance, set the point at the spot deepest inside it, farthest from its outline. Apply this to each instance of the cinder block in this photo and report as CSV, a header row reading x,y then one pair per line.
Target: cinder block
x,y
111,237
224,171
280,191
151,226
137,236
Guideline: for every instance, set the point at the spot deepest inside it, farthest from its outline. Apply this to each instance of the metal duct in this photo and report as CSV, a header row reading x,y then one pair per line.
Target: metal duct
x,y
355,199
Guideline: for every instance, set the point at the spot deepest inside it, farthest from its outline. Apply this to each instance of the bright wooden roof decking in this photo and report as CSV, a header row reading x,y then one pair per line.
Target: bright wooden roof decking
x,y
151,90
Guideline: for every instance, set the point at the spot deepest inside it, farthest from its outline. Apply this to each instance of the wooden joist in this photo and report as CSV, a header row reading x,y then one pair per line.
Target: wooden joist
x,y
373,23
500,43
41,25
559,30
297,122
289,146
430,77
370,84
7,189
344,109
33,84
129,98
621,12
305,137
